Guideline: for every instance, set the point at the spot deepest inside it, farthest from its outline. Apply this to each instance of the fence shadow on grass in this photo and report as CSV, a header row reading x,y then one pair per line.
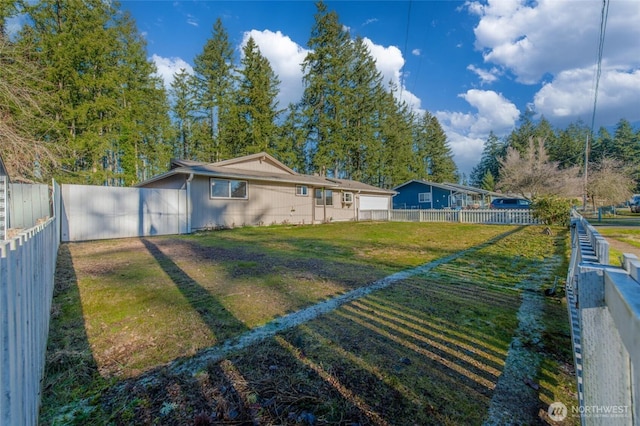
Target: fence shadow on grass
x,y
70,367
220,321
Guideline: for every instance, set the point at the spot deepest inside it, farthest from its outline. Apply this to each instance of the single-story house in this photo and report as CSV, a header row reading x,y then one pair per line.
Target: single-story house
x,y
422,194
260,190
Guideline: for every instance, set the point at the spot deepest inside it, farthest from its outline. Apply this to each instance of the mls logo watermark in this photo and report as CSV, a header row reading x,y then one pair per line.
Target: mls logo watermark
x,y
557,411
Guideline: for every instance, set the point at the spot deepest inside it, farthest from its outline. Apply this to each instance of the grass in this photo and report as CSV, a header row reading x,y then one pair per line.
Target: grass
x,y
625,235
429,349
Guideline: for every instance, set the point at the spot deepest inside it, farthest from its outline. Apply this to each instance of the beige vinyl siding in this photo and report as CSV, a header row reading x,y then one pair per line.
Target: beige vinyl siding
x,y
171,182
266,204
338,212
259,166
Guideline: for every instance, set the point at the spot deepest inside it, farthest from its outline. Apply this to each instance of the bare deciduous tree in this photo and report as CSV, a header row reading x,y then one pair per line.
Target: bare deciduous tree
x,y
532,174
609,183
22,120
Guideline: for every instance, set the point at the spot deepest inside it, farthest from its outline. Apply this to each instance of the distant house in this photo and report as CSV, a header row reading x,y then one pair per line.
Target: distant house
x,y
258,189
421,194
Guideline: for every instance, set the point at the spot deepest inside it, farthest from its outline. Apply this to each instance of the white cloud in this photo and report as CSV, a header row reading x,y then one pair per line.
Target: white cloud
x,y
466,132
285,57
416,52
169,66
369,21
389,62
558,41
192,20
571,95
486,77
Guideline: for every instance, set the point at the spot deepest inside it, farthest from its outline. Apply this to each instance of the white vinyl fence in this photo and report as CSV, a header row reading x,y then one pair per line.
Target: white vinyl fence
x,y
101,212
27,267
604,310
505,217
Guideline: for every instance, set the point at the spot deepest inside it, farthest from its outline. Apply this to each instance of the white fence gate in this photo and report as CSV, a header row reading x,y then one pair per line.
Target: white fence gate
x,y
101,212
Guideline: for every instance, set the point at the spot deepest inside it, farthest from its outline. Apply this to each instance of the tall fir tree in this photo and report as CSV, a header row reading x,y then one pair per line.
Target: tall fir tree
x,y
256,103
325,68
494,150
364,96
435,158
182,109
110,110
213,82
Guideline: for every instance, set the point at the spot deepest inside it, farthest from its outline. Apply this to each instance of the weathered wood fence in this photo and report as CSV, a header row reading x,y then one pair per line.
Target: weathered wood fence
x,y
27,267
604,310
510,217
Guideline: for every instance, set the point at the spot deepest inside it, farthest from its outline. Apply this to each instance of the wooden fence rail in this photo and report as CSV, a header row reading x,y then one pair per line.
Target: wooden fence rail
x,y
27,268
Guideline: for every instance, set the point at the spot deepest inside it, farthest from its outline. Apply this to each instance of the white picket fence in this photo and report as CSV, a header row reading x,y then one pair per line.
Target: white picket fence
x,y
27,268
604,310
504,217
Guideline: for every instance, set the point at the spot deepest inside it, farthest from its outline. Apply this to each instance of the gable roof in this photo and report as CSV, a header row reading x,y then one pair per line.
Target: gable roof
x,y
453,187
424,182
277,173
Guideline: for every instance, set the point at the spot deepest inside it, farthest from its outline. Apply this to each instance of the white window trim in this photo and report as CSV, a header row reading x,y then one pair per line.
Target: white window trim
x,y
228,197
318,202
347,197
424,197
302,191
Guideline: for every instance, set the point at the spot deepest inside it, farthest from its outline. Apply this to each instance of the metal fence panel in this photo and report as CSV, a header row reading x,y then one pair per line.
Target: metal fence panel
x,y
100,212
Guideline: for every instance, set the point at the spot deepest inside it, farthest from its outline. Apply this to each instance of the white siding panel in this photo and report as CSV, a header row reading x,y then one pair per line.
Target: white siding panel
x,y
372,202
97,212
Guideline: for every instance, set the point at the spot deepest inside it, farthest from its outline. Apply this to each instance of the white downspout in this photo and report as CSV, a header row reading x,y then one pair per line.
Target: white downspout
x,y
189,179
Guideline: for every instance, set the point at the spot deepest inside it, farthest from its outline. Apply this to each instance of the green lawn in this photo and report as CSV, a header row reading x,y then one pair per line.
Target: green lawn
x,y
429,348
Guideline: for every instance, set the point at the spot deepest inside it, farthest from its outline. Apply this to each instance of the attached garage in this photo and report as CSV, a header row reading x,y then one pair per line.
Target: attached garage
x,y
373,202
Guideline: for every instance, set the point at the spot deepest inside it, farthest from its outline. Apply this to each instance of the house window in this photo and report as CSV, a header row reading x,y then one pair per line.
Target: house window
x,y
424,197
328,197
227,188
302,190
347,197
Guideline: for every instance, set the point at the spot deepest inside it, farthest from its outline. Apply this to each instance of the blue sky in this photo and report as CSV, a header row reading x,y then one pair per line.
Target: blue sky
x,y
475,65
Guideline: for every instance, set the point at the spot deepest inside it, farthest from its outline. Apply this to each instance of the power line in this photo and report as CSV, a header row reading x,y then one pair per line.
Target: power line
x,y
604,15
404,53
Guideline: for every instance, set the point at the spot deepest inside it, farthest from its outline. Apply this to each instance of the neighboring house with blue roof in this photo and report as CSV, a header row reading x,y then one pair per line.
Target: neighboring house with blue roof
x,y
425,195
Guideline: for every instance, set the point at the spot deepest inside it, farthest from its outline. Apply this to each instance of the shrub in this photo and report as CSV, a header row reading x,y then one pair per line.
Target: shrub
x,y
552,210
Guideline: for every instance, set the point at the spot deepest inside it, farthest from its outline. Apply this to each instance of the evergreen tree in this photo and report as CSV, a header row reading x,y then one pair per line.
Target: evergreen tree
x,y
364,94
493,151
526,130
110,110
325,68
568,149
256,103
488,181
182,111
396,137
290,146
433,152
214,83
